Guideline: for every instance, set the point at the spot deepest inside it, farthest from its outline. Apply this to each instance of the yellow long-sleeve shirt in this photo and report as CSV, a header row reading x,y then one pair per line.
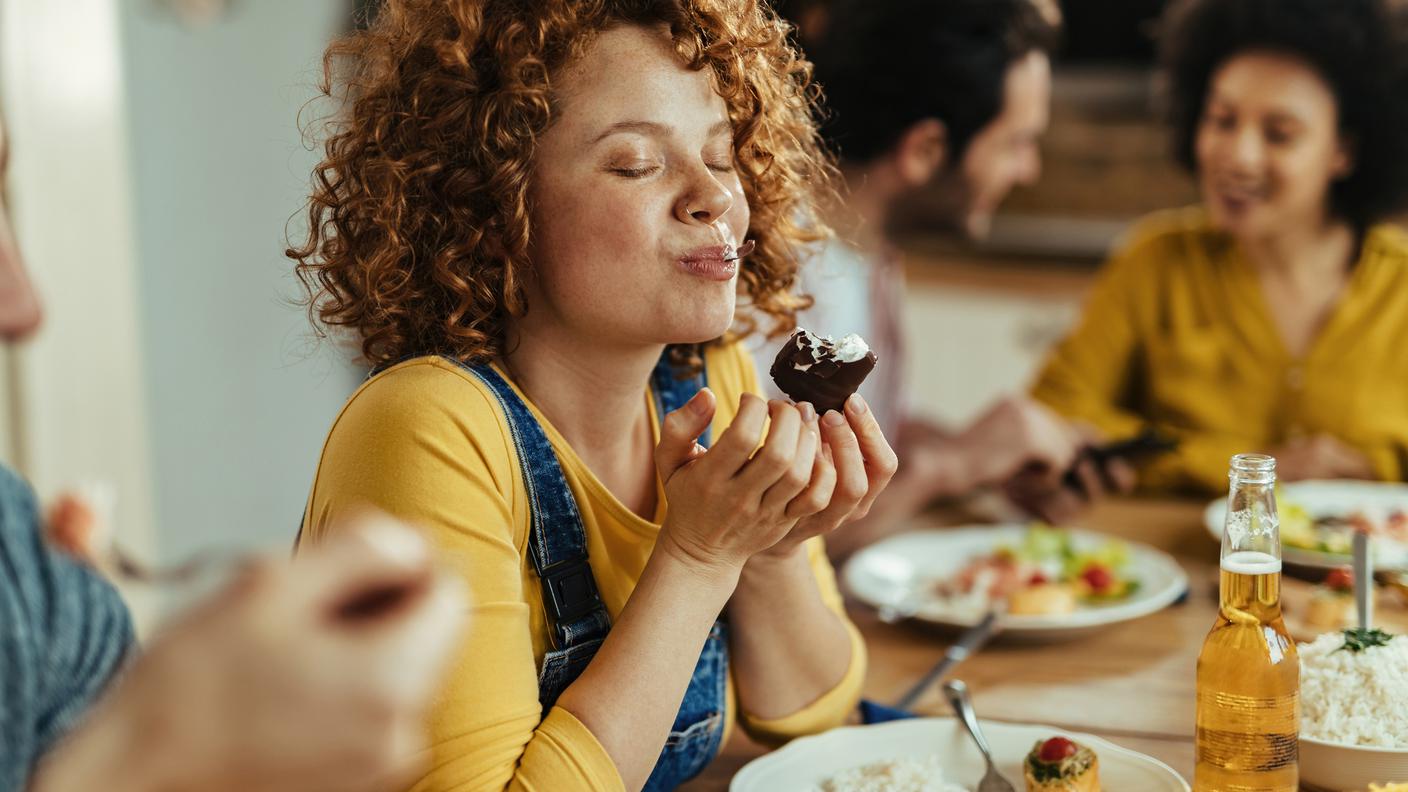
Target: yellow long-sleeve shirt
x,y
1177,336
425,441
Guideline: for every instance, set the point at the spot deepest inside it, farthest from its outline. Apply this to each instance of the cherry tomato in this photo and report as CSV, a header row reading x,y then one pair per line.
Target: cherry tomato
x,y
1098,577
1056,749
1340,579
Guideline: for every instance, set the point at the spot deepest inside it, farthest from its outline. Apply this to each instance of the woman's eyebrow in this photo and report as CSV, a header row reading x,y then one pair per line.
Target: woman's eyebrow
x,y
655,129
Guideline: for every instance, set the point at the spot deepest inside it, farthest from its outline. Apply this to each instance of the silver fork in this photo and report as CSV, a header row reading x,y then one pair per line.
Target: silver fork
x,y
957,694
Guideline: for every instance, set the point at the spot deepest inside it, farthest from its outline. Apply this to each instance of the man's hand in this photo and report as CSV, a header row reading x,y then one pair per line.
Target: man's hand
x,y
304,676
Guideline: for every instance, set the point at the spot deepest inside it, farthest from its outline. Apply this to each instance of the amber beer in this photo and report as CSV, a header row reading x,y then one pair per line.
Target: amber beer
x,y
1248,671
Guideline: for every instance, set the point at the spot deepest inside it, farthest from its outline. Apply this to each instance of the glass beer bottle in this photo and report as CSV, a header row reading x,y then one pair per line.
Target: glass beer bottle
x,y
1248,672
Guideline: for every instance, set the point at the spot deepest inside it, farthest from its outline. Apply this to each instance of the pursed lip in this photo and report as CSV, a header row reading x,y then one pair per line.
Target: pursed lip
x,y
709,262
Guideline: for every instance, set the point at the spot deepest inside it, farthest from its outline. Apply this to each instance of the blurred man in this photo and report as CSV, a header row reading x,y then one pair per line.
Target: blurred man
x,y
298,676
949,97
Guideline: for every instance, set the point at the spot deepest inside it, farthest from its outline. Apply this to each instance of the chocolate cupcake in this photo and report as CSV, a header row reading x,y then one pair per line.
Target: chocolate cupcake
x,y
822,370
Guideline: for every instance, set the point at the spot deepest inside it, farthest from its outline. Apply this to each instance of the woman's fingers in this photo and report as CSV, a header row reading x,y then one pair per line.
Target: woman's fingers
x,y
851,480
732,449
817,496
879,459
680,431
772,461
799,475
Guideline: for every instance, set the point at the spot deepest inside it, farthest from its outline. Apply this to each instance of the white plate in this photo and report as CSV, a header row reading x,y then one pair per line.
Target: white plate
x,y
802,765
1333,766
1325,498
886,573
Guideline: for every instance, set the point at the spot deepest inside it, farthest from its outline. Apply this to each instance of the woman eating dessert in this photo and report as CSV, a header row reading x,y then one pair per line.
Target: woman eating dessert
x,y
537,219
1273,316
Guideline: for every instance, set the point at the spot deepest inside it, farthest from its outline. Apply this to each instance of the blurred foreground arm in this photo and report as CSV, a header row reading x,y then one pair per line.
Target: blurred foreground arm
x,y
303,676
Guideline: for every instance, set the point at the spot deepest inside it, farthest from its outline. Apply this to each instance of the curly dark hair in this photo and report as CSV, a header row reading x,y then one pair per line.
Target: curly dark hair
x,y
1355,46
887,65
419,219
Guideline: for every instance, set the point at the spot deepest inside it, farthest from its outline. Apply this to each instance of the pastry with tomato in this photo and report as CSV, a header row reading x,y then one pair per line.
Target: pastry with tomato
x,y
1061,765
1332,604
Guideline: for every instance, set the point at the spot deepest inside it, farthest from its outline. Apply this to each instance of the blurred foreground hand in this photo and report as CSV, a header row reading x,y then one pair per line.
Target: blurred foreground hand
x,y
309,675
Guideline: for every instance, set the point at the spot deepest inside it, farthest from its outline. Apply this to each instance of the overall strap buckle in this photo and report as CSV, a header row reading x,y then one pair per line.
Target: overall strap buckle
x,y
569,590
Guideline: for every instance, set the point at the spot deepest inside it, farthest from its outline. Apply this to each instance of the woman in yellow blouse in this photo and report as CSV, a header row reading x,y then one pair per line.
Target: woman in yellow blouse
x,y
1274,317
532,215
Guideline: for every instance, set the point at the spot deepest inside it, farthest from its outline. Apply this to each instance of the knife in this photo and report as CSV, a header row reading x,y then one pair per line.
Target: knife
x,y
1363,580
968,643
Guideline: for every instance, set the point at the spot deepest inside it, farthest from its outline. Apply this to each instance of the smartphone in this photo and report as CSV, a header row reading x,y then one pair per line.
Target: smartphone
x,y
1144,445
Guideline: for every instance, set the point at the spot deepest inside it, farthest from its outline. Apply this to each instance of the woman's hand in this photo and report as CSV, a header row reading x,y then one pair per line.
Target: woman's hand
x,y
853,466
738,498
1320,457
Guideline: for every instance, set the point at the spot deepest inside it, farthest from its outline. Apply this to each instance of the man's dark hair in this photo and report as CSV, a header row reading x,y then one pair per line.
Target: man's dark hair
x,y
885,65
1356,48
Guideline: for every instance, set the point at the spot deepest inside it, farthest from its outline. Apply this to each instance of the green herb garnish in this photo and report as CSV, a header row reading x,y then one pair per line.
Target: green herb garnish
x,y
1358,640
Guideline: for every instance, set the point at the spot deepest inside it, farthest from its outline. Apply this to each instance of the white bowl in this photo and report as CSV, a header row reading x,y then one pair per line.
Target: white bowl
x,y
1337,767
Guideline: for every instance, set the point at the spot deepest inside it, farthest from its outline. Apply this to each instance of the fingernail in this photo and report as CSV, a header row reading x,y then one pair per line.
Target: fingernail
x,y
834,418
808,411
856,405
700,403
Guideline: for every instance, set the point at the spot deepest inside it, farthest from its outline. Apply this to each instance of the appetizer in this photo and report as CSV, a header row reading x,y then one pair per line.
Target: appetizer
x,y
1045,575
1061,765
1331,605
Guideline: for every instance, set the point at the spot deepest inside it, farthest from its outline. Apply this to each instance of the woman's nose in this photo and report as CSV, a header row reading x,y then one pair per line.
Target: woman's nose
x,y
704,200
1245,147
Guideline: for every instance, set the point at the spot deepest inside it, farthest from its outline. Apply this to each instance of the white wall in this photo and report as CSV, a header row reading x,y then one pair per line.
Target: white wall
x,y
971,346
238,410
77,406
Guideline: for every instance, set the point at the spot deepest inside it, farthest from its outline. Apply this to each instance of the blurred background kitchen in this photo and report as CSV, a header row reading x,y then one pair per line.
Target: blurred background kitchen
x,y
158,160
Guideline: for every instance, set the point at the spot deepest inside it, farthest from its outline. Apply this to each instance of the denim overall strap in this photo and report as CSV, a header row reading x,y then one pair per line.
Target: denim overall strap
x,y
559,538
557,541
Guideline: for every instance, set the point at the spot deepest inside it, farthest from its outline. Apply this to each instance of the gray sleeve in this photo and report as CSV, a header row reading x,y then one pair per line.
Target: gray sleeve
x,y
64,632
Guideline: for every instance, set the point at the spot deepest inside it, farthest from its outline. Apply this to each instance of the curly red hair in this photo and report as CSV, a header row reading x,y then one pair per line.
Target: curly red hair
x,y
419,216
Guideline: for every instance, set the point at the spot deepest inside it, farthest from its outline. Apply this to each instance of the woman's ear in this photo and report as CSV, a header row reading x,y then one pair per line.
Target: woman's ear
x,y
921,152
1344,158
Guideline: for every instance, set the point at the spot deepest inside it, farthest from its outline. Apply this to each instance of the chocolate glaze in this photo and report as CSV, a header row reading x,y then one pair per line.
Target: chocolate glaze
x,y
827,382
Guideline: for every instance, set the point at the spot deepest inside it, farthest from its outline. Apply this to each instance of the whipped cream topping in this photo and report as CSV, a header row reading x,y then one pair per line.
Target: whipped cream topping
x,y
849,349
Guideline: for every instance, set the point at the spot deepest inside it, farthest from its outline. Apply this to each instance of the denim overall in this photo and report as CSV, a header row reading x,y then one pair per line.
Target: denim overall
x,y
558,549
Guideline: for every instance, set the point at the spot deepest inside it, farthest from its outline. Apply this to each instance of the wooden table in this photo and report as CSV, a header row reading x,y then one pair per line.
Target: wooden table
x,y
1132,683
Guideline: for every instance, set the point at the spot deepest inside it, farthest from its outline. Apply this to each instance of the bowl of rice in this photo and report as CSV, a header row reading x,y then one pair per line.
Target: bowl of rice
x,y
1354,711
907,774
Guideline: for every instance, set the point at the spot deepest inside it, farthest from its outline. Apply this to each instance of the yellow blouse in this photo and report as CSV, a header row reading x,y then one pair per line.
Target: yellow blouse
x,y
1176,336
425,441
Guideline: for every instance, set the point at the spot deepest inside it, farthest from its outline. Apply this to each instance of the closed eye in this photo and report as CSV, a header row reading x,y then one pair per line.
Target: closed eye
x,y
636,173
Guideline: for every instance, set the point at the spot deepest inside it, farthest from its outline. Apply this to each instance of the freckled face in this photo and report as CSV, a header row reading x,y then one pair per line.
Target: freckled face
x,y
636,202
